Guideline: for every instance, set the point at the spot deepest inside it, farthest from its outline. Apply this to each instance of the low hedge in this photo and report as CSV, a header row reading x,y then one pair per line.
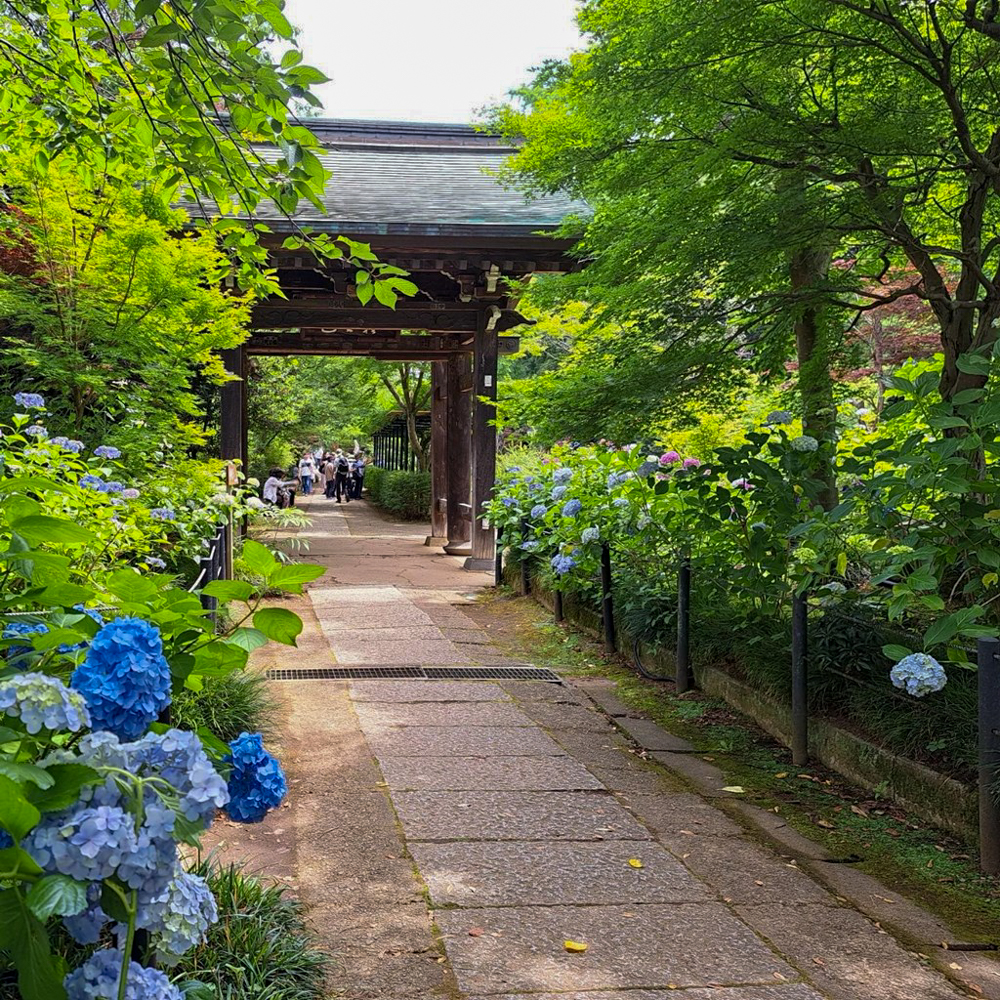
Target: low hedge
x,y
403,494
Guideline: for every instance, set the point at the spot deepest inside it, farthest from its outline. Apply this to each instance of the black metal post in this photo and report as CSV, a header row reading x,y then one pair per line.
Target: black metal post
x,y
989,754
498,565
559,606
525,568
607,602
682,676
800,691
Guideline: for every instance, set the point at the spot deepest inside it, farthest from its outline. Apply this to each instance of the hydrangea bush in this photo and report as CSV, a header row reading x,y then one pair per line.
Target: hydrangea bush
x,y
96,791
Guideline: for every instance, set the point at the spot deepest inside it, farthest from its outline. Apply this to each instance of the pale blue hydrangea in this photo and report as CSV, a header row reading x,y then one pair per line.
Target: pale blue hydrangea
x,y
590,535
179,916
130,493
43,702
617,478
558,492
85,927
29,400
162,514
562,564
562,475
619,502
89,844
804,443
68,444
571,508
776,417
648,468
36,430
112,486
508,501
154,562
539,510
97,979
91,482
107,451
529,546
918,674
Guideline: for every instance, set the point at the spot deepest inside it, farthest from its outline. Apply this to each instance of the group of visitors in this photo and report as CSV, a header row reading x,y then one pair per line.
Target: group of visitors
x,y
342,475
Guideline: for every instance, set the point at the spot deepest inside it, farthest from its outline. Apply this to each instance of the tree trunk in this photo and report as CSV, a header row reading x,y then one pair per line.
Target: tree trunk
x,y
807,270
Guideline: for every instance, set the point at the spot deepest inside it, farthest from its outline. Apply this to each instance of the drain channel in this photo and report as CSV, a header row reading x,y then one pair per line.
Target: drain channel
x,y
513,672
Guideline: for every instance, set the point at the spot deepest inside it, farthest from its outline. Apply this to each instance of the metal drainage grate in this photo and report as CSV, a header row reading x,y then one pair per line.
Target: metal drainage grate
x,y
516,672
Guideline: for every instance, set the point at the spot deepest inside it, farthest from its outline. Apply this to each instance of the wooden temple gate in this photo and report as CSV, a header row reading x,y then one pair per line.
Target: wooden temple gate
x,y
424,198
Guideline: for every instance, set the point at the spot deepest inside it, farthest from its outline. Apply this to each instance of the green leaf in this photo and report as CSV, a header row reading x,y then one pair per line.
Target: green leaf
x,y
278,624
248,639
22,772
973,364
17,814
38,977
130,586
65,595
43,528
229,590
385,294
259,559
67,780
145,8
896,653
57,895
365,293
16,859
294,574
195,989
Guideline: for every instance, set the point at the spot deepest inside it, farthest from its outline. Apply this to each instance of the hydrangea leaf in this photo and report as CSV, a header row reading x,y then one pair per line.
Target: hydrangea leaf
x,y
44,528
21,772
278,624
295,574
24,937
259,559
57,894
17,814
229,590
129,586
248,639
64,790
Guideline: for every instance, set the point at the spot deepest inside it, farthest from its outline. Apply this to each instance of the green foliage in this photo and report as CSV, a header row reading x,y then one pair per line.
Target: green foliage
x,y
260,947
404,494
227,706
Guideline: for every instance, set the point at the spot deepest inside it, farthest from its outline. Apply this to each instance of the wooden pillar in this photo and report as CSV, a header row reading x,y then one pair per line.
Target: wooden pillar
x,y
233,409
484,443
459,451
439,454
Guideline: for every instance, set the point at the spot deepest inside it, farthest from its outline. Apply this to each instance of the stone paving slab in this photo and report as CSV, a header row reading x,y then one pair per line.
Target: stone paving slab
x,y
650,736
597,749
355,648
541,774
355,595
681,814
742,872
559,716
630,947
520,815
635,778
418,690
536,691
374,715
793,991
546,874
848,956
476,741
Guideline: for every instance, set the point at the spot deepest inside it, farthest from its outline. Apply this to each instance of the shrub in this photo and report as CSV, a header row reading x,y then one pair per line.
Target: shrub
x,y
404,494
260,946
227,706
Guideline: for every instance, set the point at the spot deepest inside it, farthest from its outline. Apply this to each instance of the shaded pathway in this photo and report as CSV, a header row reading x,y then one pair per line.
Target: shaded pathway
x,y
449,837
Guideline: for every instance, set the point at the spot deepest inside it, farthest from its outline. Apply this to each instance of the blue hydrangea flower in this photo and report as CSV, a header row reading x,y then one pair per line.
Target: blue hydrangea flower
x,y
124,677
804,443
572,508
85,927
36,430
107,451
535,487
68,444
14,629
90,482
918,674
97,979
590,535
130,493
180,915
43,702
563,564
619,502
161,514
617,478
648,468
562,475
112,486
539,510
256,782
508,501
778,417
530,545
155,562
558,493
29,400
89,844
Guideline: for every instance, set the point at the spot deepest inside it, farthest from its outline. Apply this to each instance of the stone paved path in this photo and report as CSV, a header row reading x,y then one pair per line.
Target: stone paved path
x,y
449,837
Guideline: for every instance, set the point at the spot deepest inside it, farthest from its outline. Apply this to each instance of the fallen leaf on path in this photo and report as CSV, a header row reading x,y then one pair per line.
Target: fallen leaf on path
x,y
575,946
858,811
475,932
635,863
736,789
783,774
826,824
954,965
819,961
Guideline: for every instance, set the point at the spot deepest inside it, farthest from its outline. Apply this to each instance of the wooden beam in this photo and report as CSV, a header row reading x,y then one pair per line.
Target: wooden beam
x,y
459,449
400,346
439,454
484,443
233,409
324,313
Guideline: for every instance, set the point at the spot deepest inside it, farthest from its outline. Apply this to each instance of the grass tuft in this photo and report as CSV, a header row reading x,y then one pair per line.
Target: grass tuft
x,y
238,703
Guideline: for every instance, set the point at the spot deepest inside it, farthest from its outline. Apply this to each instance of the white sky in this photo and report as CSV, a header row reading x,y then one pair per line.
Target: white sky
x,y
427,60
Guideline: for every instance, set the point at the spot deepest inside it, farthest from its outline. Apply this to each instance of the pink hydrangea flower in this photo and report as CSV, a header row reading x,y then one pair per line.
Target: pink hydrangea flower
x,y
692,463
669,458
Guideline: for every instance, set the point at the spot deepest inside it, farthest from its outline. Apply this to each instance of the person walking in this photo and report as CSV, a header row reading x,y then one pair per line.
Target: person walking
x,y
307,473
343,469
358,475
329,475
